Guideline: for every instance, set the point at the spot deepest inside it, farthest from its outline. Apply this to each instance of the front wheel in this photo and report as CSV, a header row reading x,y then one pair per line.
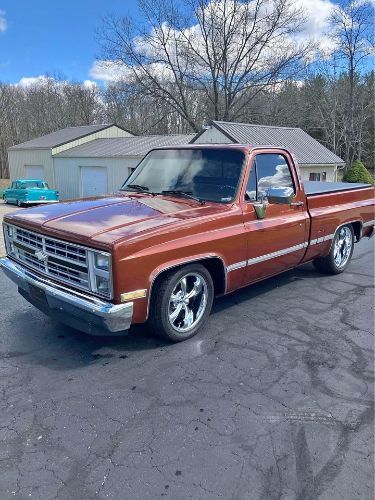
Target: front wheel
x,y
19,203
181,302
5,200
340,254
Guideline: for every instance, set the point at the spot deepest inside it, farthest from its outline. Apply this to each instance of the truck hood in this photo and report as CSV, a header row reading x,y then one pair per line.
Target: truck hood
x,y
106,220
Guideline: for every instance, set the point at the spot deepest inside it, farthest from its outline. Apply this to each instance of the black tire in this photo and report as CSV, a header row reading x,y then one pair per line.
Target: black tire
x,y
328,264
159,321
5,200
19,203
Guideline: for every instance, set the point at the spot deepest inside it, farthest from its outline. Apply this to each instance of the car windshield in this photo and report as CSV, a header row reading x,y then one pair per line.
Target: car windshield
x,y
34,185
206,174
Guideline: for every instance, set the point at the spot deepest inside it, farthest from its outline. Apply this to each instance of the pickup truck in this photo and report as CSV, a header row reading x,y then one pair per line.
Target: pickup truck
x,y
189,224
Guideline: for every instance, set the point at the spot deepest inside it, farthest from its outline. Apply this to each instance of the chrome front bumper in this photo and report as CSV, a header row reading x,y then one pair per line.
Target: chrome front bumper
x,y
78,310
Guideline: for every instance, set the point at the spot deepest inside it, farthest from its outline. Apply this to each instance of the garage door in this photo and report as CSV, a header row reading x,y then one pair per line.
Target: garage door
x,y
94,181
34,172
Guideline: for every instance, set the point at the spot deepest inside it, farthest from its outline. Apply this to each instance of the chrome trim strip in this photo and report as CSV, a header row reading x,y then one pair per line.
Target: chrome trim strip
x,y
118,317
277,254
237,265
322,239
268,256
38,202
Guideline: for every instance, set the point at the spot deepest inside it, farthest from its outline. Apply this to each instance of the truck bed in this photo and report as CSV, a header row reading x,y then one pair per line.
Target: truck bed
x,y
317,187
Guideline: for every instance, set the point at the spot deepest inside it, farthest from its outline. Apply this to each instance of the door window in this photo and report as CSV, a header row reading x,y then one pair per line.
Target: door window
x,y
268,170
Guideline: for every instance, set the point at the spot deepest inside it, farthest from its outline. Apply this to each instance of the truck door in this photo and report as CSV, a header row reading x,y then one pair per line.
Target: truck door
x,y
278,241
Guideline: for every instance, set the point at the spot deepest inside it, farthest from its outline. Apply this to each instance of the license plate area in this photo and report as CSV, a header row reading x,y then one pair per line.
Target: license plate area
x,y
37,294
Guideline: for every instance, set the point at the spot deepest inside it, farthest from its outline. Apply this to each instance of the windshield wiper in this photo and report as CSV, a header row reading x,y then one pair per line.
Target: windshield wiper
x,y
137,187
186,194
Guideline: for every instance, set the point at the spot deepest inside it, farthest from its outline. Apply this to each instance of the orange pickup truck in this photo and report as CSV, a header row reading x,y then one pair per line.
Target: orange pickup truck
x,y
189,224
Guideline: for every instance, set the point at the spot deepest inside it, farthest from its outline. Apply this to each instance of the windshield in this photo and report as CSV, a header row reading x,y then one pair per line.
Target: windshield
x,y
207,174
34,185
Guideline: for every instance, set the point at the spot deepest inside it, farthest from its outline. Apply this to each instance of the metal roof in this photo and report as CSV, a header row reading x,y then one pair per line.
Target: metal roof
x,y
307,150
62,136
124,146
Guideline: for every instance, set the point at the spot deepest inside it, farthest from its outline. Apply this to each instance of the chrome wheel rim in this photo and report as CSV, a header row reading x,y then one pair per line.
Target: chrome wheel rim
x,y
188,302
342,246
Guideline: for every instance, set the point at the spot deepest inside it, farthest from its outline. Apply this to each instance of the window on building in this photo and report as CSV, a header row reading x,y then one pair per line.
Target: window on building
x,y
324,176
269,170
314,176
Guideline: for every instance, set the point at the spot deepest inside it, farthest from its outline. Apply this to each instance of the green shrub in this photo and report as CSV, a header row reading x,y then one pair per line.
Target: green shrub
x,y
358,173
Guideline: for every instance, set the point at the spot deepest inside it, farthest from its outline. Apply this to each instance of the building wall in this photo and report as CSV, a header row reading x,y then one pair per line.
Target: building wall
x,y
19,158
212,136
108,133
329,169
68,173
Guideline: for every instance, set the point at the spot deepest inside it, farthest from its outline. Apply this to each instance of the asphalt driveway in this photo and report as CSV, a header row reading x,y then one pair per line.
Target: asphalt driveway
x,y
274,400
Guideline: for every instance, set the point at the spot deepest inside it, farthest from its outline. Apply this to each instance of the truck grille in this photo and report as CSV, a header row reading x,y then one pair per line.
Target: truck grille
x,y
63,261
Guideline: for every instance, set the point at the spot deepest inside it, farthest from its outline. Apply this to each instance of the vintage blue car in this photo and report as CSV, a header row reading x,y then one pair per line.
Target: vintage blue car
x,y
30,192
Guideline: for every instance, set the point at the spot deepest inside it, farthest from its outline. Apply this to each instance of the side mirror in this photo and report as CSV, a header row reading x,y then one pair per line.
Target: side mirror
x,y
281,195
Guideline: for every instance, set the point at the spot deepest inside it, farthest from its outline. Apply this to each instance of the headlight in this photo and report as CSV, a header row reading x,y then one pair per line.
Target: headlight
x,y
10,230
102,284
100,272
102,261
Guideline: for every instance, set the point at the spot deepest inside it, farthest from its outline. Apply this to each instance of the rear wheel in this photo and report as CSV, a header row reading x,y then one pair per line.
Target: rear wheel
x,y
340,254
181,302
19,203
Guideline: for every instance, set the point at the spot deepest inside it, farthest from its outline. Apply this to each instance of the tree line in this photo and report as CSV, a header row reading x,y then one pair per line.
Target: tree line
x,y
203,60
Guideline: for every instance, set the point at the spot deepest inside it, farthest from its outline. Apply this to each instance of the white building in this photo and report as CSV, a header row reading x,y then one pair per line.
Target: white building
x,y
96,159
35,159
87,160
317,163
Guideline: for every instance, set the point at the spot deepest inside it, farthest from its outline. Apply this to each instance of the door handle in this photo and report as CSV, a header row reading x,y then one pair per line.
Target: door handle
x,y
297,204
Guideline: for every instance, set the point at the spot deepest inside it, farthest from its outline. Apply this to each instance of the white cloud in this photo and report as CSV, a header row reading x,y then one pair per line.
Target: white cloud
x,y
30,81
109,71
3,22
89,84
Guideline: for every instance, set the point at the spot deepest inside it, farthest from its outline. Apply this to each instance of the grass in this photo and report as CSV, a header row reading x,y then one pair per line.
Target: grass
x,y
4,183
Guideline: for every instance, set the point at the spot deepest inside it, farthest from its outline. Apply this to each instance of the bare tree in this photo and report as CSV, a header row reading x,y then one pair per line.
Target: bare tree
x,y
352,32
207,59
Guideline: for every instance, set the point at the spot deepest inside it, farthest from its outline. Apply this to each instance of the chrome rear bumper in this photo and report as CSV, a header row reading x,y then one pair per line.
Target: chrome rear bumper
x,y
78,310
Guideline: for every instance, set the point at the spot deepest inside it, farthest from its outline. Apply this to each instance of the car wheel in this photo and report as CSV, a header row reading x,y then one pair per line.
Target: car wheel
x,y
19,203
5,200
340,253
181,302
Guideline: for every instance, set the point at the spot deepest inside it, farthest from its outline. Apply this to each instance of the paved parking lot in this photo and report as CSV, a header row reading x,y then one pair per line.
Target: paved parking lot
x,y
5,209
274,400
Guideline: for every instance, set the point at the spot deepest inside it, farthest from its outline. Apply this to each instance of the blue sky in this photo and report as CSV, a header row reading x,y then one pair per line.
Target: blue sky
x,y
58,36
47,36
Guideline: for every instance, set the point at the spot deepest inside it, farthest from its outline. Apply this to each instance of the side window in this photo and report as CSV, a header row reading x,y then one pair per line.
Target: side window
x,y
272,171
268,170
13,186
251,188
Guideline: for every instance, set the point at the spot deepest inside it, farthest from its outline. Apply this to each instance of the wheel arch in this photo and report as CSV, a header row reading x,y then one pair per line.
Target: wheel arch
x,y
213,263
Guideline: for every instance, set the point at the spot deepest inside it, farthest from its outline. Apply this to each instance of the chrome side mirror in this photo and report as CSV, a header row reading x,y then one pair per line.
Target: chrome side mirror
x,y
280,195
260,208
